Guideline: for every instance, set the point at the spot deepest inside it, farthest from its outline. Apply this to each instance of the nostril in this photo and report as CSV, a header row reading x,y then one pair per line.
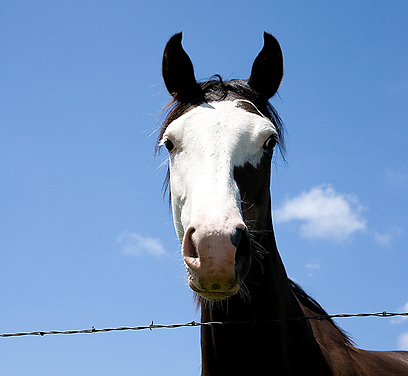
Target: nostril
x,y
236,236
242,241
189,247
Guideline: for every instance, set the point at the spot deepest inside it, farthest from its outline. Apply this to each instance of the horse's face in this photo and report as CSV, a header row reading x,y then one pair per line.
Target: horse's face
x,y
207,146
219,153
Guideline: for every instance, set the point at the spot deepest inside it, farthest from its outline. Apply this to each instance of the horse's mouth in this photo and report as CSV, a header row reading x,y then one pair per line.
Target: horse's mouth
x,y
215,294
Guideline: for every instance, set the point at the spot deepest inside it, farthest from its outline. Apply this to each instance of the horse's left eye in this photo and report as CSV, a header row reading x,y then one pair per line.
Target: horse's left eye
x,y
270,144
169,145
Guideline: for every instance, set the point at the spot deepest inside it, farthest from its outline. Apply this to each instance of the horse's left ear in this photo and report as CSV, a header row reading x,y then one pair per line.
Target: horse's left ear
x,y
267,70
178,72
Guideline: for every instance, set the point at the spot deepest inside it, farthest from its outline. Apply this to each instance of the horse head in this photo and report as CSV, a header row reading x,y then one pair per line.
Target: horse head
x,y
220,137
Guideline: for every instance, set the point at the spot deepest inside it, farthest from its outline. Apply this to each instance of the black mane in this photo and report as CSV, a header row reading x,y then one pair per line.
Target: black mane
x,y
307,301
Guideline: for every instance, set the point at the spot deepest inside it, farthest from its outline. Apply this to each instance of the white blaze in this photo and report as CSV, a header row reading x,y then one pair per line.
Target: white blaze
x,y
209,141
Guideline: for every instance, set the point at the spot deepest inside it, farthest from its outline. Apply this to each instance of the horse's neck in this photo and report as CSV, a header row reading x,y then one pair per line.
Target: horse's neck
x,y
284,347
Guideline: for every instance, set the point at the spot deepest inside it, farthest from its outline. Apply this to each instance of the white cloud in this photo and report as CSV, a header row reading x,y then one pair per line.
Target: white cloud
x,y
403,341
324,213
136,245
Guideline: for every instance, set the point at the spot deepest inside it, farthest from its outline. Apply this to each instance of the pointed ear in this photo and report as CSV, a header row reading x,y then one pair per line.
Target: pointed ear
x,y
267,70
178,72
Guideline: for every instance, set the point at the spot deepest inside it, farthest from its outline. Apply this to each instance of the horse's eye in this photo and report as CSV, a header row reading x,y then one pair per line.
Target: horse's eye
x,y
270,144
169,145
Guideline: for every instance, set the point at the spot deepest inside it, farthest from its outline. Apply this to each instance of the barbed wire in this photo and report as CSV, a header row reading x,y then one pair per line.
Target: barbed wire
x,y
196,324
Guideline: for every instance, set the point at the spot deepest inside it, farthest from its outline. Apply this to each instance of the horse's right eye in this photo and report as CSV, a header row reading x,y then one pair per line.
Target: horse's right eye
x,y
270,144
169,145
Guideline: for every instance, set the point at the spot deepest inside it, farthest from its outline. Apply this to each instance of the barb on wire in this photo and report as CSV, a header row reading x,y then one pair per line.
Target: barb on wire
x,y
195,323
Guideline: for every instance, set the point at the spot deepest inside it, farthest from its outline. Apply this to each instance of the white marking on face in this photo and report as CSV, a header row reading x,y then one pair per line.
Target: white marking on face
x,y
208,142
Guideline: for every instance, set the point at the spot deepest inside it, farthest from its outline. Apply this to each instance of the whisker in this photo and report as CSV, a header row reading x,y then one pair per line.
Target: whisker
x,y
244,293
258,249
248,208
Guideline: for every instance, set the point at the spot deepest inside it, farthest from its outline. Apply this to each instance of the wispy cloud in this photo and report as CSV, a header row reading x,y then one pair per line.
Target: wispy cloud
x,y
400,319
383,239
324,213
133,244
312,269
313,266
397,176
403,341
388,237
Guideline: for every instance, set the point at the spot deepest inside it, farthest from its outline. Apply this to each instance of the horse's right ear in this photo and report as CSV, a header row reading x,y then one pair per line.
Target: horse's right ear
x,y
178,72
267,70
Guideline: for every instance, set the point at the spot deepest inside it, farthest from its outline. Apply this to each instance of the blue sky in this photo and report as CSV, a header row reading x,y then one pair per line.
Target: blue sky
x,y
86,238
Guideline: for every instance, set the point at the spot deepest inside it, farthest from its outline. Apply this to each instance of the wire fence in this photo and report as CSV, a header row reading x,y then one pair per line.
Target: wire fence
x,y
199,324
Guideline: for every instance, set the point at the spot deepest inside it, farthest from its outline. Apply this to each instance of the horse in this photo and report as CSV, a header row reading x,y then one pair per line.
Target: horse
x,y
220,137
